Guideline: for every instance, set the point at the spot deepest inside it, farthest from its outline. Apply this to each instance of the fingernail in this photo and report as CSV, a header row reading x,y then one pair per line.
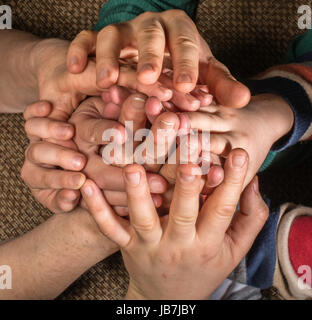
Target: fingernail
x,y
184,78
42,107
63,131
88,191
103,74
138,103
76,180
146,67
133,178
238,161
74,60
187,177
166,124
77,162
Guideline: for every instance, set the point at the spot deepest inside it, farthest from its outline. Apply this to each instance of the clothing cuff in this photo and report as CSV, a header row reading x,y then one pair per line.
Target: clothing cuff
x,y
285,278
297,99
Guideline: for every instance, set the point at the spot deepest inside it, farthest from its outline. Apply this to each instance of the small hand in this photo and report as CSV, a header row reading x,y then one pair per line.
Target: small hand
x,y
187,254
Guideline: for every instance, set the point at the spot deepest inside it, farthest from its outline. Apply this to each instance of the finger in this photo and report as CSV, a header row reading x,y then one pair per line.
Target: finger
x,y
188,151
42,178
222,85
111,225
185,205
111,178
143,215
110,41
183,101
127,78
54,155
97,131
117,198
214,178
133,110
151,47
37,110
121,211
153,108
111,111
57,201
201,94
133,116
183,43
248,222
119,94
44,128
154,150
206,122
67,200
218,210
80,48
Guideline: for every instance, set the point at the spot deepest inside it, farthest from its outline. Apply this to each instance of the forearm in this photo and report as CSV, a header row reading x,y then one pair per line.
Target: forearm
x,y
48,259
18,83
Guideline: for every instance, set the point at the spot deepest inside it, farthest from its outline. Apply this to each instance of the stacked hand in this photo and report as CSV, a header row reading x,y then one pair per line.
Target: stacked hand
x,y
51,146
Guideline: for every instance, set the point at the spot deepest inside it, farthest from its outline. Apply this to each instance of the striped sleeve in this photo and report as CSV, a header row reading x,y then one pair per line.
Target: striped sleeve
x,y
293,82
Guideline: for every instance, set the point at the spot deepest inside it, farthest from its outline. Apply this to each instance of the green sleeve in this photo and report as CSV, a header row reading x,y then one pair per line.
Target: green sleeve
x,y
115,11
299,47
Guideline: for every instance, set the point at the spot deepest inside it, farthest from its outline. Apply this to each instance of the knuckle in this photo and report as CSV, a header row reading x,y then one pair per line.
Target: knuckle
x,y
224,211
186,42
145,226
111,30
31,152
263,213
171,257
86,34
91,134
178,13
183,221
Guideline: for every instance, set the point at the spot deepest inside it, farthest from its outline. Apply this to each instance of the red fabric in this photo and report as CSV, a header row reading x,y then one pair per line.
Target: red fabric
x,y
300,244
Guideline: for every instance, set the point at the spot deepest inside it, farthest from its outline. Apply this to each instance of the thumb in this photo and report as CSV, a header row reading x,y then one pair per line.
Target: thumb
x,y
249,221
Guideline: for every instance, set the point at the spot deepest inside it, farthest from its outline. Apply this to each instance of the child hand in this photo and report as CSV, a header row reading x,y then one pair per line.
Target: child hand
x,y
254,128
91,119
187,254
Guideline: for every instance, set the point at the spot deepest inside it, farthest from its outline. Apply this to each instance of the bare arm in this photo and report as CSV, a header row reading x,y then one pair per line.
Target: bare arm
x,y
18,82
46,260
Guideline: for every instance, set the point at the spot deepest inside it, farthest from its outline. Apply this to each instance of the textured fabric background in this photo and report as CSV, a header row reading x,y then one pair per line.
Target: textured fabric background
x,y
248,36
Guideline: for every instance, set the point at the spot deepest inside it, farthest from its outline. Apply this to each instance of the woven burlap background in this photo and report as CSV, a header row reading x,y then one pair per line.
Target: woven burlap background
x,y
248,36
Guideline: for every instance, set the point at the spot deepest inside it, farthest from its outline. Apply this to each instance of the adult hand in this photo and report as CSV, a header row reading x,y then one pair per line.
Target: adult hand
x,y
56,189
187,254
145,38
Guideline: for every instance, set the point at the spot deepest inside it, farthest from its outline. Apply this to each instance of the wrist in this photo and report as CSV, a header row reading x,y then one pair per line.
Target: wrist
x,y
276,114
46,53
87,234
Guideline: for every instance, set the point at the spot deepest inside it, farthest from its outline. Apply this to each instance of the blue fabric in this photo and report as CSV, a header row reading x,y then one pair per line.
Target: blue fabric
x,y
261,259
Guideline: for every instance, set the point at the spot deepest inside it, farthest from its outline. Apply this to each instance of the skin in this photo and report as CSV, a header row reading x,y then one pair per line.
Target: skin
x,y
187,254
255,128
146,37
